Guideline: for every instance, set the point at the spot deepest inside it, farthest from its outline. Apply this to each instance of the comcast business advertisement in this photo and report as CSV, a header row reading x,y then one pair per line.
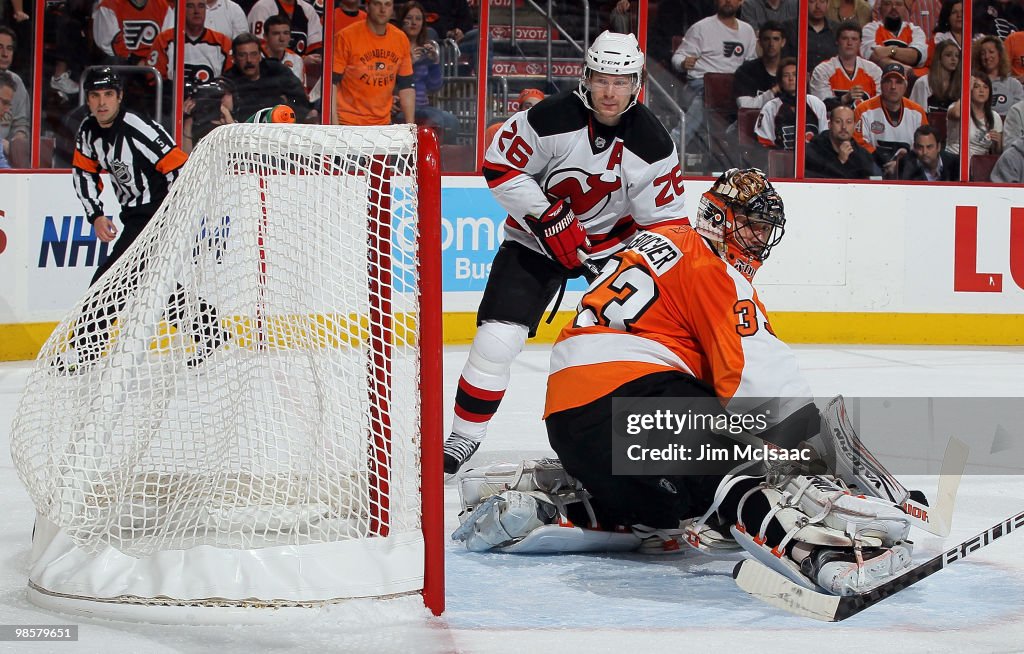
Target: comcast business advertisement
x,y
472,228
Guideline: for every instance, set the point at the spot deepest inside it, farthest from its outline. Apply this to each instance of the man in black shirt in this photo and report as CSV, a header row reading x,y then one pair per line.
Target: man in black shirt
x,y
755,81
834,154
928,161
259,83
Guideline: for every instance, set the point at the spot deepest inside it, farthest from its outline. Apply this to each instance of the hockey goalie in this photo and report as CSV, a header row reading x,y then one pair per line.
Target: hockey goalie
x,y
675,317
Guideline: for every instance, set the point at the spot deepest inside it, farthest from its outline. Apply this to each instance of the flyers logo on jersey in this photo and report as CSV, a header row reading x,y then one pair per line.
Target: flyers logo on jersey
x,y
588,193
732,49
139,33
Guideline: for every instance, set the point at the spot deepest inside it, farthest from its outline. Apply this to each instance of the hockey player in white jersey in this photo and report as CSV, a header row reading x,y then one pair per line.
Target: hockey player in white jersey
x,y
579,174
673,322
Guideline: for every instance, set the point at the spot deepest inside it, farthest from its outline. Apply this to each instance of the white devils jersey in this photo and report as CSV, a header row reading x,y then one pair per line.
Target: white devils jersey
x,y
616,179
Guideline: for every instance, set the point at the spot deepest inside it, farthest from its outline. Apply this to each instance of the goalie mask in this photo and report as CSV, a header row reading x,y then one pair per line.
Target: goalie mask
x,y
743,216
613,54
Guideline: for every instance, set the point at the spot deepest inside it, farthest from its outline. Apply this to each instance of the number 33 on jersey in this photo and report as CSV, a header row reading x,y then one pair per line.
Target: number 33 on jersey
x,y
670,302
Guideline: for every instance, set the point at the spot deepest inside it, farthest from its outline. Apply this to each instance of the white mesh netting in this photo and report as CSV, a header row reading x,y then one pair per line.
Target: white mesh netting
x,y
247,374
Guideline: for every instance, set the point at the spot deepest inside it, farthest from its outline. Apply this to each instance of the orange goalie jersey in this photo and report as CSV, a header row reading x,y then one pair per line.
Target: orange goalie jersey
x,y
670,302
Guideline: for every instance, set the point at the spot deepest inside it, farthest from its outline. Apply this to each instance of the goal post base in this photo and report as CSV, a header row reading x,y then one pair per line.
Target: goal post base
x,y
209,585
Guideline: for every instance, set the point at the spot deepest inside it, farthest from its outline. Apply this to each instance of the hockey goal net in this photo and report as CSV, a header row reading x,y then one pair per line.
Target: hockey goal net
x,y
244,411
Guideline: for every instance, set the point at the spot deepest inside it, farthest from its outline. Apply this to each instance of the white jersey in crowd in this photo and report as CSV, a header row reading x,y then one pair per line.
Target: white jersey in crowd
x,y
307,30
908,36
829,79
1006,92
719,48
295,64
616,179
206,56
769,130
226,17
980,143
883,134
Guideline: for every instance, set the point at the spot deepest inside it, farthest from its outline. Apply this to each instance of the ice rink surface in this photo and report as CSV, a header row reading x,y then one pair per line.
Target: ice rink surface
x,y
620,603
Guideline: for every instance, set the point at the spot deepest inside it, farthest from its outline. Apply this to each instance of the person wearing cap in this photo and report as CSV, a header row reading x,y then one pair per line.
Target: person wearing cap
x,y
527,99
886,123
892,40
580,174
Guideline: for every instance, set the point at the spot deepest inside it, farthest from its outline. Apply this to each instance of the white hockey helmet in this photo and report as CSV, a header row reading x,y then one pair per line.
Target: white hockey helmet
x,y
613,54
743,216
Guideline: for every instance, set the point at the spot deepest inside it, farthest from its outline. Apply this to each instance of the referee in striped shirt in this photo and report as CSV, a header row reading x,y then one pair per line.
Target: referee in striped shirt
x,y
143,162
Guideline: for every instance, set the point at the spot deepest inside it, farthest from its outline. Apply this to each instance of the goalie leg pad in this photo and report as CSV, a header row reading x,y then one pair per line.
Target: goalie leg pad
x,y
544,475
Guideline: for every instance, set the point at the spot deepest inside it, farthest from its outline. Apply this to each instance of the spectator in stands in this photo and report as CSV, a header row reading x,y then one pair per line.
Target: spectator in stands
x,y
758,12
260,83
950,25
125,31
941,87
207,52
928,162
1013,124
998,17
65,27
347,12
18,14
716,44
453,19
620,19
892,40
985,129
226,17
373,63
776,124
426,72
306,29
1014,46
820,39
846,78
755,82
1010,167
209,106
277,34
833,154
7,91
15,117
528,98
886,123
991,59
674,17
840,11
924,13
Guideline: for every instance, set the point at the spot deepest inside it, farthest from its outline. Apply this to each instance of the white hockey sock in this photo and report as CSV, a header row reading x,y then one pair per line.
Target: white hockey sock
x,y
485,376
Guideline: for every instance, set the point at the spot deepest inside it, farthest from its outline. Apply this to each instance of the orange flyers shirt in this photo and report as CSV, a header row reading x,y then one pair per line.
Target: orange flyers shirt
x,y
670,302
369,64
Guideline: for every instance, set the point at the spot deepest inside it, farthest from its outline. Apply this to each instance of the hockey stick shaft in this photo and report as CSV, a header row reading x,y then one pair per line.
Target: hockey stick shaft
x,y
856,603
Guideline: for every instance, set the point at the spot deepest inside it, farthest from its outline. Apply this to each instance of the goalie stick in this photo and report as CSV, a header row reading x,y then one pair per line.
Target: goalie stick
x,y
773,588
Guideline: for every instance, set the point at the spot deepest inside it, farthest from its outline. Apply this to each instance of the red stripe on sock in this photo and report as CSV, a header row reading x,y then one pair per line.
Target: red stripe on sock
x,y
479,393
472,417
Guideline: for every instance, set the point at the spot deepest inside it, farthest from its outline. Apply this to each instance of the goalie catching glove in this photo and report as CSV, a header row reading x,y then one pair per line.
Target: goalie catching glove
x,y
560,234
